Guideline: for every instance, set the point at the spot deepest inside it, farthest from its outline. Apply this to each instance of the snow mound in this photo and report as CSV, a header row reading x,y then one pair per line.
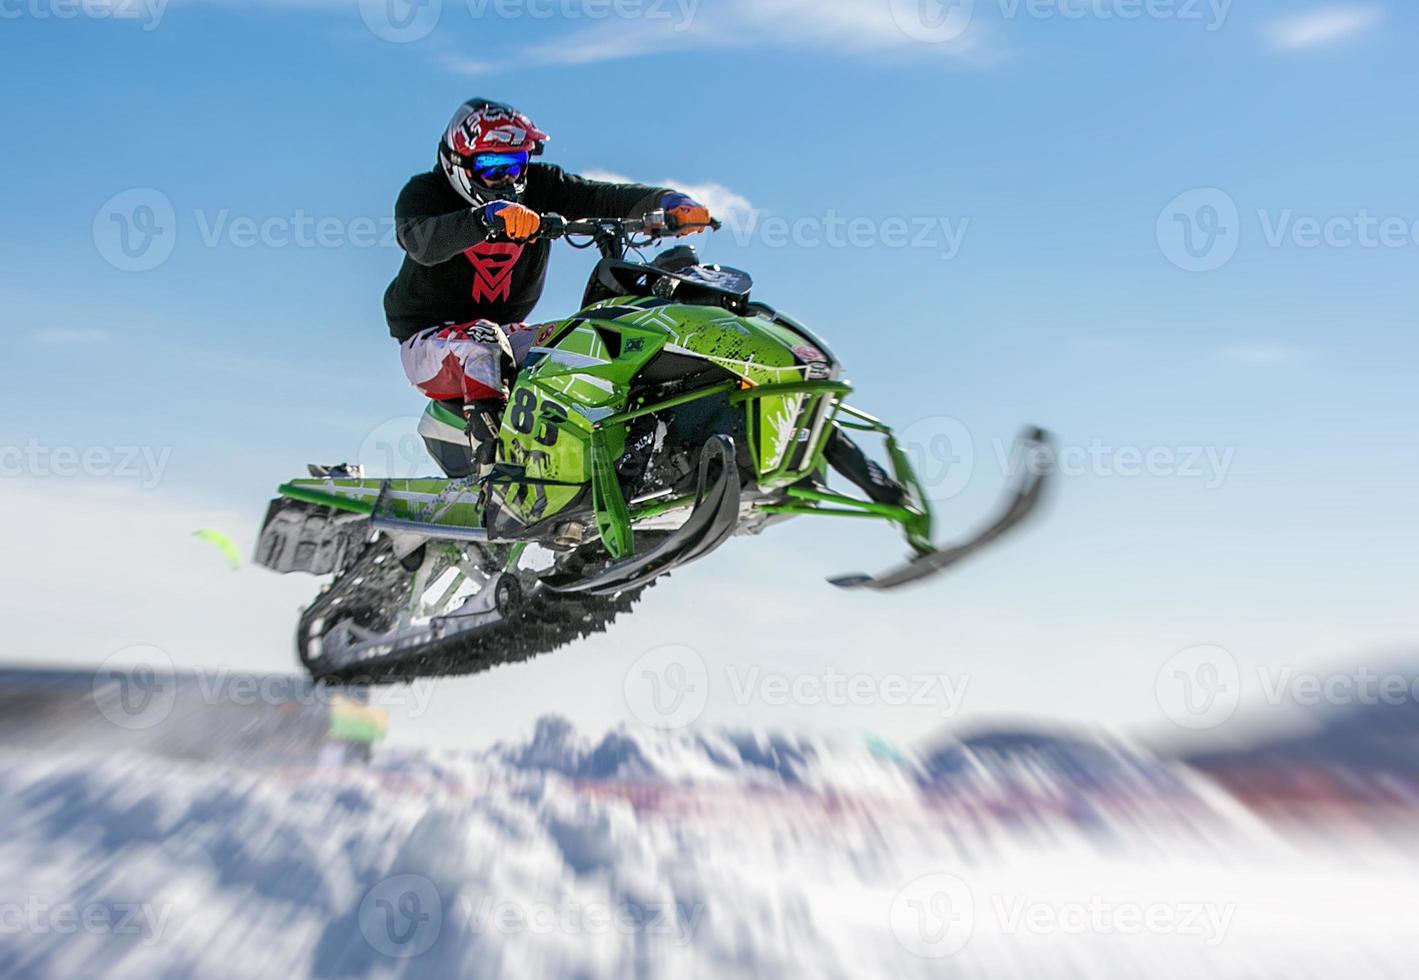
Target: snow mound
x,y
651,855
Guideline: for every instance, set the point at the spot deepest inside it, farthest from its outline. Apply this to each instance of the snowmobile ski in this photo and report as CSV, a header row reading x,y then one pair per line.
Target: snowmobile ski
x,y
1034,456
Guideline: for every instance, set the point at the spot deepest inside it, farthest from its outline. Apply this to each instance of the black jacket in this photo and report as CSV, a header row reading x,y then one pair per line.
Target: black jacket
x,y
452,274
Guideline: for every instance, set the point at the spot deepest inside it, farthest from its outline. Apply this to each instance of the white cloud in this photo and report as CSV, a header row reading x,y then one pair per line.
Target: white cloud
x,y
881,27
1323,26
465,66
863,27
71,335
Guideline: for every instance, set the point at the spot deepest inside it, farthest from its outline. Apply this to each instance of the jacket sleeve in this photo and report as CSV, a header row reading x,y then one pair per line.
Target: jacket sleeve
x,y
573,196
428,237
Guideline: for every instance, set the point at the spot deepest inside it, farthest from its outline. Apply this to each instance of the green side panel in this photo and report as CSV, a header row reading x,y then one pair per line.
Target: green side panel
x,y
613,520
556,404
756,350
532,502
585,376
451,503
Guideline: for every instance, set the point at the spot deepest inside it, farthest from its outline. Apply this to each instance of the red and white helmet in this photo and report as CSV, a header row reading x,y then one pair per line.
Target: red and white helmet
x,y
483,126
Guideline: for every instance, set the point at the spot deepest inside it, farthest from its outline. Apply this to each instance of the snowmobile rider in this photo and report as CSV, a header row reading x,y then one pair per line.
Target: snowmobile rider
x,y
474,268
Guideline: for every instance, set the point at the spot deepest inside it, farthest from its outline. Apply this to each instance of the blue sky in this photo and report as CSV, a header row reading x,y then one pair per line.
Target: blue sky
x,y
1059,161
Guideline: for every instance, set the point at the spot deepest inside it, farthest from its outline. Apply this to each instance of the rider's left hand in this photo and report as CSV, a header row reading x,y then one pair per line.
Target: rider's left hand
x,y
685,213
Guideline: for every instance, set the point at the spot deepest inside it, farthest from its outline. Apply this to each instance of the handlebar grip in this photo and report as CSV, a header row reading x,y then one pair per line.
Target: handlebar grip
x,y
553,226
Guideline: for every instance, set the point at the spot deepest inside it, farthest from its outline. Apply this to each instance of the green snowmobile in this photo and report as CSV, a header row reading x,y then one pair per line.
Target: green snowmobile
x,y
671,413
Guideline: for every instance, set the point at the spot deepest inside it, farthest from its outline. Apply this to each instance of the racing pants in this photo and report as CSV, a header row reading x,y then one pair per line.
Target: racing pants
x,y
466,362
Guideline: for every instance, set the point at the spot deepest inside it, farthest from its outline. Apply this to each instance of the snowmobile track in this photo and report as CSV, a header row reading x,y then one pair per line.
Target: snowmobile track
x,y
544,621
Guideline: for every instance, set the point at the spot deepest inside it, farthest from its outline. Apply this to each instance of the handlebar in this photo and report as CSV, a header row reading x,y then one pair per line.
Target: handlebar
x,y
648,228
613,237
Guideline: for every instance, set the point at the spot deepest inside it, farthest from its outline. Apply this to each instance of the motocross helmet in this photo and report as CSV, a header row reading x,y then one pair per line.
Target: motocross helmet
x,y
486,151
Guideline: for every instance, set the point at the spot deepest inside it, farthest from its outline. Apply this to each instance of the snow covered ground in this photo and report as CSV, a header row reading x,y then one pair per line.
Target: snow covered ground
x,y
689,855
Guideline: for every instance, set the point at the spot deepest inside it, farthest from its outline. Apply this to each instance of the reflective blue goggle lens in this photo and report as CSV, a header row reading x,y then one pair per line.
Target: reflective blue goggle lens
x,y
490,167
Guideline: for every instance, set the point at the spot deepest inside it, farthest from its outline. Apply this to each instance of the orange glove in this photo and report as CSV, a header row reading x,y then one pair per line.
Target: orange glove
x,y
685,213
511,220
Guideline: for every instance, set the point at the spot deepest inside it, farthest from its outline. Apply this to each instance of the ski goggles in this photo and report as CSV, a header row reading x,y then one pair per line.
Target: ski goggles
x,y
495,168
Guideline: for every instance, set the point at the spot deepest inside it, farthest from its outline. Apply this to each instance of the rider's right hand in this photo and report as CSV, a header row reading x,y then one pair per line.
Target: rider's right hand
x,y
505,219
